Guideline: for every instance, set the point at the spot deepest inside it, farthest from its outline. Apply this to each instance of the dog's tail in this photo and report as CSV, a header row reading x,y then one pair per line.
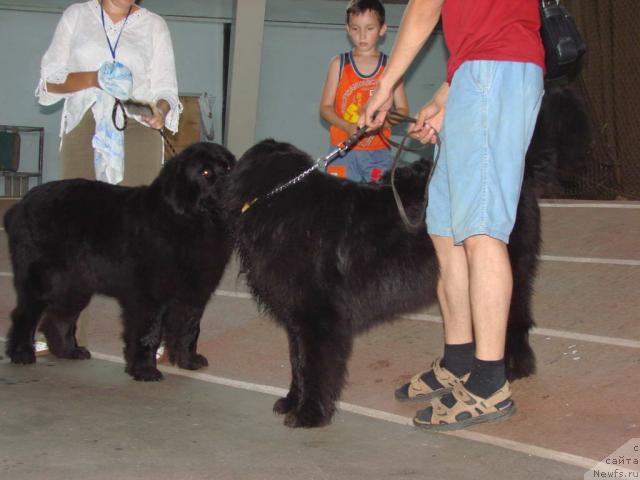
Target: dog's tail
x,y
560,142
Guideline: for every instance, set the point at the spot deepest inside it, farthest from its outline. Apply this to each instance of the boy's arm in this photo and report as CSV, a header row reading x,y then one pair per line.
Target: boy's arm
x,y
327,102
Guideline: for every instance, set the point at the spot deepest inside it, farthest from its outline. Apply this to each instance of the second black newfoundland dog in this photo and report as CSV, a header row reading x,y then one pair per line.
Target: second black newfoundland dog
x,y
329,258
159,250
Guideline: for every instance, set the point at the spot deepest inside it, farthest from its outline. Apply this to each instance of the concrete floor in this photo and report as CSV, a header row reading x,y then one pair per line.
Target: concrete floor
x,y
64,419
70,420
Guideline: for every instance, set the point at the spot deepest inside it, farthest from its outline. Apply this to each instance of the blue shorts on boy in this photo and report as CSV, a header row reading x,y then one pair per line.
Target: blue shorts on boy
x,y
489,120
364,165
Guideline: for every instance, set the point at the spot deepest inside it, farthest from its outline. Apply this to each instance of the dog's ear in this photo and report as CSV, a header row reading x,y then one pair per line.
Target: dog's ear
x,y
172,182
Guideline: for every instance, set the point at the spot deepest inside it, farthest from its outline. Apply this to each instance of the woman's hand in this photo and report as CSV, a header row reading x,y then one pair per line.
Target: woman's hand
x,y
160,111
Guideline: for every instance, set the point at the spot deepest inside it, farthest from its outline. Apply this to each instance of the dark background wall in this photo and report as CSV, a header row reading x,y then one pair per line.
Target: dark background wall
x,y
609,85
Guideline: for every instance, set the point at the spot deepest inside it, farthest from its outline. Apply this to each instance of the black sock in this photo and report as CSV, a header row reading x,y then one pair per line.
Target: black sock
x,y
486,377
457,359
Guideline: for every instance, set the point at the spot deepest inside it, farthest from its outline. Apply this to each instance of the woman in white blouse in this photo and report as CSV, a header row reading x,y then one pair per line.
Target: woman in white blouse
x,y
88,35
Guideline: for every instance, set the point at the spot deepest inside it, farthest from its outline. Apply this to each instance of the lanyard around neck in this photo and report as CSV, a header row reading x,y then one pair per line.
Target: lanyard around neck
x,y
112,48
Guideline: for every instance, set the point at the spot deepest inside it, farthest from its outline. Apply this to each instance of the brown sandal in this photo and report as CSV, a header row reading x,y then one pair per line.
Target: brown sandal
x,y
418,391
469,409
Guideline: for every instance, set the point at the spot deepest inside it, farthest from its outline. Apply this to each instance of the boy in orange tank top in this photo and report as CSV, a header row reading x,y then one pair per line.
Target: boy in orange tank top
x,y
351,80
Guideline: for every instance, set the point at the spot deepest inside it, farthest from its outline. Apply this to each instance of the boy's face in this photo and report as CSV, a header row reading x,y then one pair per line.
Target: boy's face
x,y
365,30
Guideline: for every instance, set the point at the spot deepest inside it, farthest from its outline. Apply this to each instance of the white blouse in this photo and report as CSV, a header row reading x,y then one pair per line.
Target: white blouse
x,y
79,45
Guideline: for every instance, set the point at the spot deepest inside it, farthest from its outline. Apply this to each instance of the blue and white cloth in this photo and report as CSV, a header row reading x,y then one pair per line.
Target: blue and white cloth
x,y
116,79
116,82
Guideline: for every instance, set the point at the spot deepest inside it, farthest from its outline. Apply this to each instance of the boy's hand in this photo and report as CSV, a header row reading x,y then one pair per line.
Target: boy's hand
x,y
375,111
352,128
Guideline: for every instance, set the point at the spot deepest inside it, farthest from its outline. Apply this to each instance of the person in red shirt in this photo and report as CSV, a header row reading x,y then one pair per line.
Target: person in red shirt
x,y
485,113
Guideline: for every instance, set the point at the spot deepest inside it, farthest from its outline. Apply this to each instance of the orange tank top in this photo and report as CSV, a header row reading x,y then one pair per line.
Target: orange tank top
x,y
353,92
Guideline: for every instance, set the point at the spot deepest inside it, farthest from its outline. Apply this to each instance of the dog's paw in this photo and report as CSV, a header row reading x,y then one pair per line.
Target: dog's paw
x,y
76,353
145,374
193,362
23,355
284,405
307,416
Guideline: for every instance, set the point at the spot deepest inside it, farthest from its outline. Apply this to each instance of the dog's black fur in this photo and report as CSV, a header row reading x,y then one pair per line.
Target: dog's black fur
x,y
160,250
329,258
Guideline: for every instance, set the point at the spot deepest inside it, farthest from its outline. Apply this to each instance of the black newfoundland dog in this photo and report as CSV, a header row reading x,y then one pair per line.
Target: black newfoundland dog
x,y
329,258
159,250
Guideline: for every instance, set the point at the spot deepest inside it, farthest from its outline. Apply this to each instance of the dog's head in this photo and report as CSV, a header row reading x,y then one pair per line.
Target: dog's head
x,y
190,182
262,168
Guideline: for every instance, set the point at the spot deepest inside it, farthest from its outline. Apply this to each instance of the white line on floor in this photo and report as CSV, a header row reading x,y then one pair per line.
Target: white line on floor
x,y
589,205
545,332
605,261
525,448
585,337
227,293
424,317
528,449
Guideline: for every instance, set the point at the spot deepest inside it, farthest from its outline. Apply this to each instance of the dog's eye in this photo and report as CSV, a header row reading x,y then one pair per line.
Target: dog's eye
x,y
206,173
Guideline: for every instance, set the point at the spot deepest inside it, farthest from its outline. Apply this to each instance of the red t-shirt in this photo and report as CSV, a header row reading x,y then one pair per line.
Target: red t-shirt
x,y
506,30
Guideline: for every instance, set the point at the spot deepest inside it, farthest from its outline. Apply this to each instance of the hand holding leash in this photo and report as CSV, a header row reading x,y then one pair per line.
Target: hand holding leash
x,y
377,108
146,110
341,149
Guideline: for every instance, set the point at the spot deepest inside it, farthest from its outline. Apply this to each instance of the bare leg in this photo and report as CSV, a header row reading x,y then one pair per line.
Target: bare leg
x,y
489,292
453,291
490,285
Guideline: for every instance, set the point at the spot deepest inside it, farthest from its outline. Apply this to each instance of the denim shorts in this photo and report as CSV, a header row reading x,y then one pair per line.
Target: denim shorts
x,y
362,165
489,120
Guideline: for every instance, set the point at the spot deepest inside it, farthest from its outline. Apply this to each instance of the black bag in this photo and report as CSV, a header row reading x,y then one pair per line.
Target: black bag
x,y
563,44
